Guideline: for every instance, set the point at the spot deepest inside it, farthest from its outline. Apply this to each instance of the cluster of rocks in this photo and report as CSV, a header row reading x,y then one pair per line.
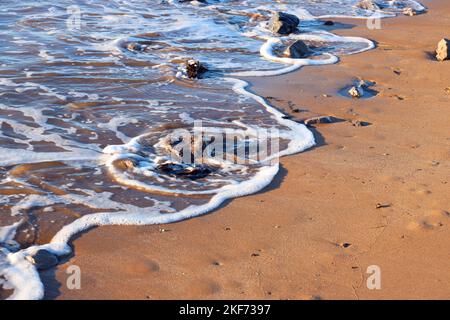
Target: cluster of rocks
x,y
372,5
280,23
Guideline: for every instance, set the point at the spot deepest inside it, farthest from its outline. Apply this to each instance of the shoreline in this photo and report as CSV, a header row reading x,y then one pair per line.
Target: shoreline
x,y
89,250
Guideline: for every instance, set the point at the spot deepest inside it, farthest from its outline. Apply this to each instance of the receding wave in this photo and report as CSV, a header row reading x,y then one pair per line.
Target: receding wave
x,y
96,104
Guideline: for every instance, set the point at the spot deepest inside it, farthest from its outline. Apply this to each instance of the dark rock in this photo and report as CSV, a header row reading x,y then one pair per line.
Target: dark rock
x,y
329,23
283,23
382,205
134,46
193,172
194,69
297,50
443,50
43,259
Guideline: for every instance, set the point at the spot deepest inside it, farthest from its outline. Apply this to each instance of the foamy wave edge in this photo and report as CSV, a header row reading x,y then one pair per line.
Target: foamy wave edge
x,y
24,277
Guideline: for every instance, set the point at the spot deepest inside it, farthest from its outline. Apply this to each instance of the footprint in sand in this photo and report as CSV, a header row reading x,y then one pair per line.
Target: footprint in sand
x,y
139,267
431,221
205,287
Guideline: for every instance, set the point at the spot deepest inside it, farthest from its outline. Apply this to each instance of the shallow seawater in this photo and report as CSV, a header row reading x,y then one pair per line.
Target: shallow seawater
x,y
86,123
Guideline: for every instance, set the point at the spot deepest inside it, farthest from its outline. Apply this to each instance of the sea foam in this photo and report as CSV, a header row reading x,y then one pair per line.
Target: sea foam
x,y
73,117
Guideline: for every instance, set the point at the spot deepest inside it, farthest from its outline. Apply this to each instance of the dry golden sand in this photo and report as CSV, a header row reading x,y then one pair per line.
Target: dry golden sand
x,y
286,242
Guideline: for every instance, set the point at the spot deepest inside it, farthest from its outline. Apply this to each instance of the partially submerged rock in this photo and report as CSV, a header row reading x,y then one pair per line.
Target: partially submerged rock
x,y
194,69
319,120
443,50
359,89
356,92
359,123
297,50
409,12
43,259
283,23
134,46
368,5
193,172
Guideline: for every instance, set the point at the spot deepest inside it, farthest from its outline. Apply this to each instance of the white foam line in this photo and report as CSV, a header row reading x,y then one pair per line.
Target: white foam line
x,y
267,52
23,276
8,233
59,244
6,159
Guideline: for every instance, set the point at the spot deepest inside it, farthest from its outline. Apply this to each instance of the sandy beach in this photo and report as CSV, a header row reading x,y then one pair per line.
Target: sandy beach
x,y
373,195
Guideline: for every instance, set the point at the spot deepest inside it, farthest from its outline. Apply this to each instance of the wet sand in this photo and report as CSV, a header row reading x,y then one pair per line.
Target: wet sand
x,y
313,233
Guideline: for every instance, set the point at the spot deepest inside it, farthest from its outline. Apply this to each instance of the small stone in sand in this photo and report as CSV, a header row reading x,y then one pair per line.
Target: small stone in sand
x,y
43,259
435,163
317,120
359,123
443,50
382,205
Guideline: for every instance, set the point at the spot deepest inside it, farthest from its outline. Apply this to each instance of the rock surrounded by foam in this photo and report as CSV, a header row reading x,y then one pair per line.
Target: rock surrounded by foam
x,y
43,259
195,69
299,49
193,172
222,46
283,23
